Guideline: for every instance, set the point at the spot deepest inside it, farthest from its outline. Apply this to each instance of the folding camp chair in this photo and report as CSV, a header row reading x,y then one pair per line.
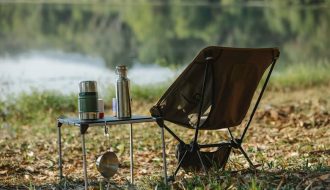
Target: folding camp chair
x,y
213,92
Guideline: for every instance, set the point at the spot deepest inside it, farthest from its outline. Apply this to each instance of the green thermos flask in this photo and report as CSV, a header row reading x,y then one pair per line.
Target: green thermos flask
x,y
87,100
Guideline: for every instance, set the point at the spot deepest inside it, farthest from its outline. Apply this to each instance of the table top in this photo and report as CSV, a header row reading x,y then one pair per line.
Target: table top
x,y
108,120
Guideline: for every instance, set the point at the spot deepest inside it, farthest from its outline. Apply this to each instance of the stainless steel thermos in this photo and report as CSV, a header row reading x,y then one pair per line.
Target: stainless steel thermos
x,y
122,93
88,100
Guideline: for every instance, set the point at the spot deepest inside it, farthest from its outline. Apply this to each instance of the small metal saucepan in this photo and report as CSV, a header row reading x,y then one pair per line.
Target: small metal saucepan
x,y
107,164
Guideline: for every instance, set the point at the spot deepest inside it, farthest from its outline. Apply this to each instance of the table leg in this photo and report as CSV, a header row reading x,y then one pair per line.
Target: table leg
x,y
131,152
59,143
84,159
164,156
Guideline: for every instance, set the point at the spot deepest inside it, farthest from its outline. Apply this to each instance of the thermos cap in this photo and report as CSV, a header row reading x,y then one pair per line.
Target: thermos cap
x,y
121,67
88,86
121,70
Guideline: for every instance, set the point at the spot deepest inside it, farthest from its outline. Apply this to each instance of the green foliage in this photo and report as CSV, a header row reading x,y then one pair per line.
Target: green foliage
x,y
253,185
148,92
27,107
170,32
301,75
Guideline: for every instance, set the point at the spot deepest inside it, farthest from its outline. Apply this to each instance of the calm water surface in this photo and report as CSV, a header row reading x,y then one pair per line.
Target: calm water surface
x,y
63,72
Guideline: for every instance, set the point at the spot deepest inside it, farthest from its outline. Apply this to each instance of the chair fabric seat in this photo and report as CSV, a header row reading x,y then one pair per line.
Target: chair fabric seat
x,y
232,78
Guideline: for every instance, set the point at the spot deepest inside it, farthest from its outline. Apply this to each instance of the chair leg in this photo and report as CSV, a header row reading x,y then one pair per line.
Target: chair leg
x,y
226,160
200,159
179,166
246,157
164,156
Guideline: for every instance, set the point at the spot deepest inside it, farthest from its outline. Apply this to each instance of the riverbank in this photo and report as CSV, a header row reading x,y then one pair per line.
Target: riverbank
x,y
288,140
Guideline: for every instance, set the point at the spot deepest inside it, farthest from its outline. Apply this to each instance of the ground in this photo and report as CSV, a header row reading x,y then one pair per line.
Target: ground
x,y
288,141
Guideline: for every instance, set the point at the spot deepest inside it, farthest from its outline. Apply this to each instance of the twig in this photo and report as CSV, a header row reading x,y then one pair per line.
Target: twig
x,y
108,186
302,181
308,187
280,184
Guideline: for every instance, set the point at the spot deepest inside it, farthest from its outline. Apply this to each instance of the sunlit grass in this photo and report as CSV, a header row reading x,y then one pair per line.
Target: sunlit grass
x,y
301,75
150,92
35,106
27,107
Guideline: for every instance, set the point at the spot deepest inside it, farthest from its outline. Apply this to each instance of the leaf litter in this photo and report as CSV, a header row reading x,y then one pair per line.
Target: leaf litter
x,y
288,139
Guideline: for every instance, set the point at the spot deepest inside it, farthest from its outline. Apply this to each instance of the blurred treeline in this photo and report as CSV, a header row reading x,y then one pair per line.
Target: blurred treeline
x,y
166,32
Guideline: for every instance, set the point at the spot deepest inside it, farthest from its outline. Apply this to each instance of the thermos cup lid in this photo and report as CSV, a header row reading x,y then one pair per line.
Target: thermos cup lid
x,y
121,70
121,67
88,86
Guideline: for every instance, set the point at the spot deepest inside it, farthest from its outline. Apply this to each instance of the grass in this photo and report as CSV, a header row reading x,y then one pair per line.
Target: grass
x,y
289,141
27,108
301,75
149,93
33,106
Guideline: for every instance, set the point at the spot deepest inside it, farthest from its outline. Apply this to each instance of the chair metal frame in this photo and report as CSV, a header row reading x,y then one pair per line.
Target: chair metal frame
x,y
194,146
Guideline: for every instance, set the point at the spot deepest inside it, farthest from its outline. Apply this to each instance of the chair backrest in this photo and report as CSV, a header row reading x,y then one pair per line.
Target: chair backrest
x,y
232,76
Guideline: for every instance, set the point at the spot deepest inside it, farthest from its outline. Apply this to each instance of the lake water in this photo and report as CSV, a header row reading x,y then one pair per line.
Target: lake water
x,y
63,72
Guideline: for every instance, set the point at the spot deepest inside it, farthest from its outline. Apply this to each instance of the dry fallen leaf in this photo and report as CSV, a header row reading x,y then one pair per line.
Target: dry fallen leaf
x,y
30,169
325,178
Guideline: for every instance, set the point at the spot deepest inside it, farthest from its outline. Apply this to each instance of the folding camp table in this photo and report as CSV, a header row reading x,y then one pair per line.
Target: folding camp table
x,y
85,124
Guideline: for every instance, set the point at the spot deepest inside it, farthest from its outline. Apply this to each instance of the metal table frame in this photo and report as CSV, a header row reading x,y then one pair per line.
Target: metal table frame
x,y
85,124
